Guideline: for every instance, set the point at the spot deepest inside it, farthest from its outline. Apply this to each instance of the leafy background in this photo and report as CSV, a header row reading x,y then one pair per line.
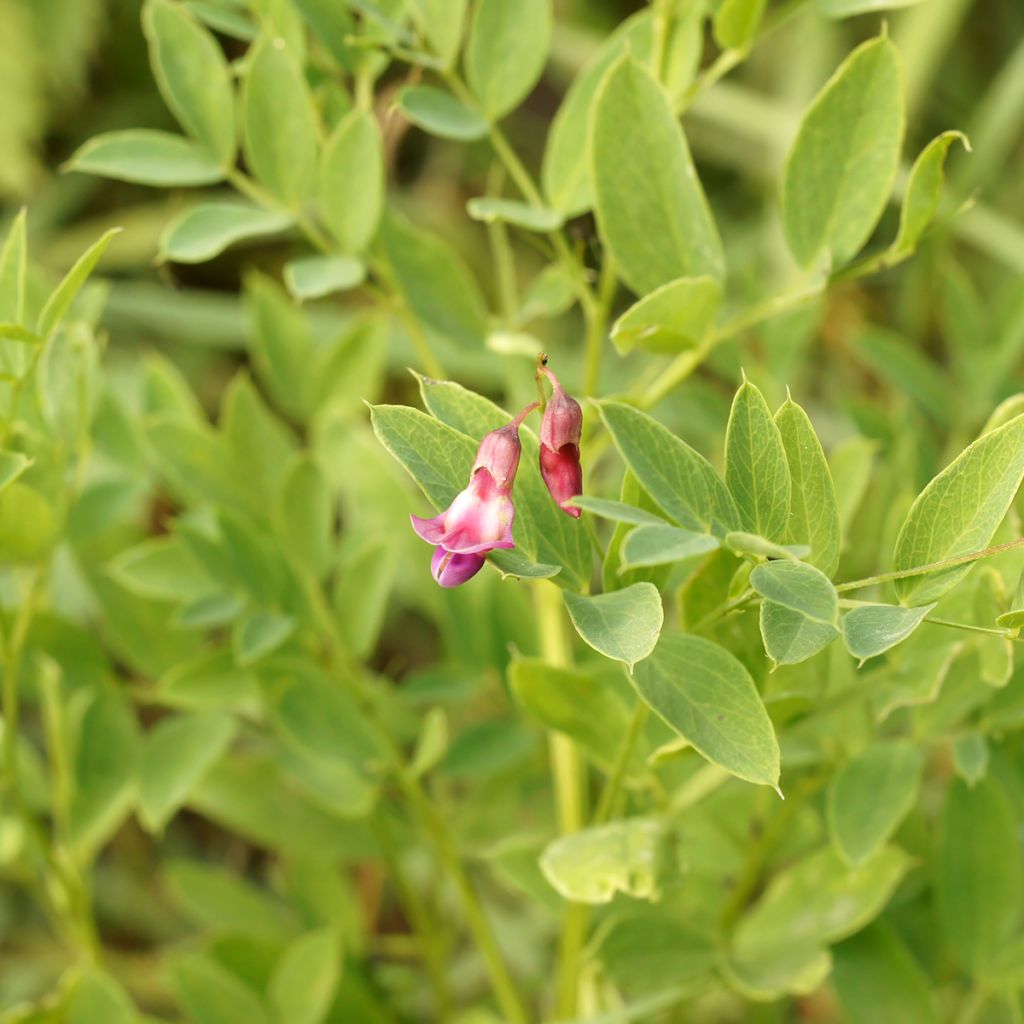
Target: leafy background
x,y
210,537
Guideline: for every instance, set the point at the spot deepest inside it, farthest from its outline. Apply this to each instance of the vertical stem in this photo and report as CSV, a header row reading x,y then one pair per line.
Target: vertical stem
x,y
569,782
610,794
596,316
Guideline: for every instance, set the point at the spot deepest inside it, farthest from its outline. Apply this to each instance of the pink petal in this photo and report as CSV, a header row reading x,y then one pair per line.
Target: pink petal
x,y
431,530
451,569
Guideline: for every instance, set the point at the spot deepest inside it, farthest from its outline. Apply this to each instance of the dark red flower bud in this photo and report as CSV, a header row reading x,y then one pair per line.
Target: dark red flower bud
x,y
560,431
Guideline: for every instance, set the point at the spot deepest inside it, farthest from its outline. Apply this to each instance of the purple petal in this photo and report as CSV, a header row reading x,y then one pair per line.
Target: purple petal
x,y
431,530
451,569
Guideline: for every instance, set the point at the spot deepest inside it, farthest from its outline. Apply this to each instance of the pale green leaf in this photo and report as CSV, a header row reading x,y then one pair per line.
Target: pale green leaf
x,y
305,517
971,757
28,527
592,865
161,568
617,511
305,978
511,211
813,510
206,230
213,995
176,755
64,294
147,157
959,511
843,163
708,697
13,265
623,625
506,52
851,465
651,210
350,187
924,190
978,879
96,998
756,467
441,114
750,545
12,465
672,318
443,22
736,23
872,629
431,744
870,796
789,635
259,632
361,593
660,544
313,277
279,133
849,8
682,482
193,77
797,586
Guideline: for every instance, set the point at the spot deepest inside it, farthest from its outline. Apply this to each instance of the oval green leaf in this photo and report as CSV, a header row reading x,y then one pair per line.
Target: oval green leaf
x,y
623,625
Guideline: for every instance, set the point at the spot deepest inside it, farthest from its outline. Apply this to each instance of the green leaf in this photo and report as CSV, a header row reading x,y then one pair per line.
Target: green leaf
x,y
28,528
435,284
213,995
361,593
104,772
305,978
506,52
849,8
19,334
978,879
682,482
877,978
750,545
670,319
1014,618
959,511
660,544
813,510
278,123
313,277
971,757
870,796
818,901
623,625
851,465
617,511
872,629
305,518
790,636
209,681
206,230
843,163
736,23
592,865
756,466
12,465
147,157
651,210
97,997
351,181
431,744
161,568
177,753
799,587
13,262
258,632
511,211
924,190
580,704
193,77
708,697
440,113
443,22
64,294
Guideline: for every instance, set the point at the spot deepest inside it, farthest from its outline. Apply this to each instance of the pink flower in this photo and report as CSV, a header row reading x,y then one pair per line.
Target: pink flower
x,y
480,518
560,431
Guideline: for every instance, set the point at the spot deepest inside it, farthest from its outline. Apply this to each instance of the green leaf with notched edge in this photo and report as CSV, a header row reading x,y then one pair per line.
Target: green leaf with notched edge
x,y
959,511
617,511
707,696
651,210
843,163
623,625
679,479
870,796
193,77
813,511
924,190
592,865
756,467
872,629
506,52
147,157
350,181
660,544
176,755
797,586
672,318
278,123
441,114
435,283
978,880
64,294
206,230
790,636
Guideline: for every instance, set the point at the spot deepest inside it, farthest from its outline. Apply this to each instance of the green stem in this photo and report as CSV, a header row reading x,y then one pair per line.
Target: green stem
x,y
613,787
918,570
569,784
596,317
12,657
716,614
